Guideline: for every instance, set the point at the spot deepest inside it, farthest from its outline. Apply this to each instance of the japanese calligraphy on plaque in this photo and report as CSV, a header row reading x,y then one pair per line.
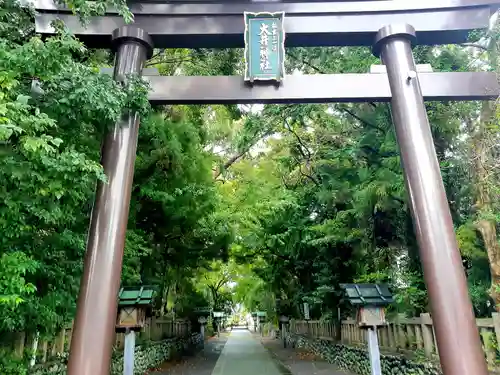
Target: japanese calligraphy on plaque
x,y
264,46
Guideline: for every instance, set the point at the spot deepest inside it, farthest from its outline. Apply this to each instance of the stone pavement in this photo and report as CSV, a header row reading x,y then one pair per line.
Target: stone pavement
x,y
300,361
245,355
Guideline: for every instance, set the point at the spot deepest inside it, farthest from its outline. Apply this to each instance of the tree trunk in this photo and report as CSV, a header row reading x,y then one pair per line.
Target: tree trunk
x,y
164,300
488,232
483,163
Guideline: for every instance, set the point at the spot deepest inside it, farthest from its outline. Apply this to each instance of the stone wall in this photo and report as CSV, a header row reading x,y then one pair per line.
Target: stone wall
x,y
148,355
356,360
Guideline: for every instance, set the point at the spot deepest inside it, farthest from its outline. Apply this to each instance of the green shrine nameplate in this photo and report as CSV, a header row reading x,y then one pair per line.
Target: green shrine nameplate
x,y
264,46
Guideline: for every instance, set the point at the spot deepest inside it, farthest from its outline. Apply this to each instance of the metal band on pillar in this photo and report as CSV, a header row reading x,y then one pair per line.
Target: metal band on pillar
x,y
454,323
93,333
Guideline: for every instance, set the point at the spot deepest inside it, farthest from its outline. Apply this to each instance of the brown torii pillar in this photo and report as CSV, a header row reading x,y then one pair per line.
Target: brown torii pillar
x,y
457,334
93,330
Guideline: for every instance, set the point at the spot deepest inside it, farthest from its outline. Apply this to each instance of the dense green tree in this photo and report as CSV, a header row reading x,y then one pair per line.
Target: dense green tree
x,y
50,144
346,217
50,165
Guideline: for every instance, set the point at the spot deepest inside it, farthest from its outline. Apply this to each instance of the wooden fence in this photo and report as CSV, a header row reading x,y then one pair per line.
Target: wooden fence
x,y
402,335
156,329
314,328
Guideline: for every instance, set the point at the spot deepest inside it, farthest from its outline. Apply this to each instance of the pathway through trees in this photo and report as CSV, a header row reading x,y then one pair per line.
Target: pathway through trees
x,y
245,355
241,353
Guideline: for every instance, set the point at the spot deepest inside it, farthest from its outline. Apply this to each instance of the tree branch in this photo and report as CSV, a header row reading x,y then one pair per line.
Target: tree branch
x,y
233,159
475,45
307,63
221,282
230,162
369,124
316,182
303,146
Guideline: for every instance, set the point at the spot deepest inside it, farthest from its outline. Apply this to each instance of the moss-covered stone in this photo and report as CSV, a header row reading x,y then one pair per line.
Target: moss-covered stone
x,y
147,356
356,360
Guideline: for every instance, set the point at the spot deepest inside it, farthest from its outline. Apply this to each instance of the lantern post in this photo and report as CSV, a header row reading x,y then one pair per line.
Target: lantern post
x,y
203,314
284,320
218,316
261,318
370,301
134,306
254,318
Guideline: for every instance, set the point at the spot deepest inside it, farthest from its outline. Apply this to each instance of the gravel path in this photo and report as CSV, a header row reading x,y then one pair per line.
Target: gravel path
x,y
202,363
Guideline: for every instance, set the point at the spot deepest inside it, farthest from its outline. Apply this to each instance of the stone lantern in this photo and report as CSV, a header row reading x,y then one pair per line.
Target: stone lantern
x,y
203,313
218,316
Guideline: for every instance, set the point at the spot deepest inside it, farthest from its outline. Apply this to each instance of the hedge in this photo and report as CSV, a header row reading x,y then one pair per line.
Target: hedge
x,y
356,360
148,355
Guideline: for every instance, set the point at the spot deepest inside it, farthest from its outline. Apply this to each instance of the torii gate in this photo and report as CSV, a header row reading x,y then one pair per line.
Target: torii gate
x,y
391,28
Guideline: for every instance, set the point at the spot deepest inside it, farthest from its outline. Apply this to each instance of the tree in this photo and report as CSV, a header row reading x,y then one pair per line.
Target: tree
x,y
50,165
484,151
344,215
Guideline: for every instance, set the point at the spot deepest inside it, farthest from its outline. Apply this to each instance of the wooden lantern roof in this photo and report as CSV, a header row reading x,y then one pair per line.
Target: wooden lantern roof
x,y
367,294
136,296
